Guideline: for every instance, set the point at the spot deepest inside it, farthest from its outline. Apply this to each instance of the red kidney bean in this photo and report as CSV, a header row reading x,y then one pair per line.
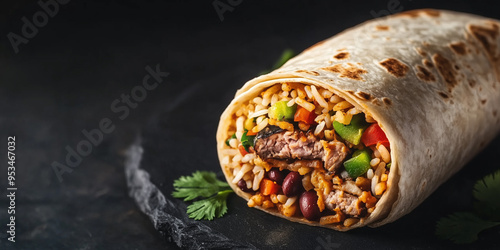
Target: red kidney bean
x,y
292,185
276,175
308,203
242,184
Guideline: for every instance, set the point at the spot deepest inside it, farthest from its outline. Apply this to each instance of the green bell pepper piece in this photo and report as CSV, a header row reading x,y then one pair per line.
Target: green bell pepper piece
x,y
281,112
358,164
352,132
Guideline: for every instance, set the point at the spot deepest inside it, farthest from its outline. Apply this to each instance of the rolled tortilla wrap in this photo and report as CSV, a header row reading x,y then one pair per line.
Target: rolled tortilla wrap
x,y
429,78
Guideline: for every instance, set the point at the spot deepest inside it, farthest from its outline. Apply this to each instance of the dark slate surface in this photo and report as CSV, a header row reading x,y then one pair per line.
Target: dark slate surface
x,y
91,54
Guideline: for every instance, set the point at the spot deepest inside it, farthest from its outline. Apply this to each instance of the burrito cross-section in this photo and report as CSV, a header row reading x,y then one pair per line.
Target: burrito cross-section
x,y
360,128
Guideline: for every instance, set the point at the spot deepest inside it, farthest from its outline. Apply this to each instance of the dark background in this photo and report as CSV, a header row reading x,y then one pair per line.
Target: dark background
x,y
91,52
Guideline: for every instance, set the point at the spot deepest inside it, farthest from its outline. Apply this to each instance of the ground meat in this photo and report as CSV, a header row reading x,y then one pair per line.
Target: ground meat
x,y
290,146
347,203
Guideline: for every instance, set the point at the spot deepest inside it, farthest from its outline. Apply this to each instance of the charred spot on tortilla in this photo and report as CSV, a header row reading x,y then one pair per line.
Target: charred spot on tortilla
x,y
341,56
424,74
444,95
459,48
348,71
420,51
446,70
310,72
483,101
472,83
395,67
363,95
487,36
376,101
427,63
494,113
387,101
382,27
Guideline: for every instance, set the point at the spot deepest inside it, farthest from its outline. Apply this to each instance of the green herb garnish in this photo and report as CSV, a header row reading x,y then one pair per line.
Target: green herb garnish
x,y
285,56
247,140
464,227
203,184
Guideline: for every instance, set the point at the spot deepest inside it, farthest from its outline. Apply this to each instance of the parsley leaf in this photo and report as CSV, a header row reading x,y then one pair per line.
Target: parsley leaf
x,y
203,184
487,191
210,208
199,184
462,227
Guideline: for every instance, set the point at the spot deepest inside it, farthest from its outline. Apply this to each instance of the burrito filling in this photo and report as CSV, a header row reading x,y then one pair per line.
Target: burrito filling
x,y
306,152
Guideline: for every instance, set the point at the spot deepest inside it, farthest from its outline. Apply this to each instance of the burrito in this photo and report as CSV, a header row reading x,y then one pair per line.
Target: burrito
x,y
360,128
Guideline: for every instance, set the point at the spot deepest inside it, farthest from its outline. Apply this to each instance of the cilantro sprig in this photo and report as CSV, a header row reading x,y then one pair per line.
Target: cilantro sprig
x,y
203,184
464,227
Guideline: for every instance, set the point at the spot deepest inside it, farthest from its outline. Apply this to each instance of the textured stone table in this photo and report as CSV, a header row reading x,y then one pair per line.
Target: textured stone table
x,y
82,70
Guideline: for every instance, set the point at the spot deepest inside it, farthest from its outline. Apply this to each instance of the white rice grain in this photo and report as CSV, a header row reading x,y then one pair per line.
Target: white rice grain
x,y
308,92
240,124
328,121
243,171
342,105
336,99
290,103
261,125
374,162
321,101
326,93
319,128
369,173
257,100
259,113
233,143
257,179
274,99
282,198
386,156
303,103
293,94
290,201
247,158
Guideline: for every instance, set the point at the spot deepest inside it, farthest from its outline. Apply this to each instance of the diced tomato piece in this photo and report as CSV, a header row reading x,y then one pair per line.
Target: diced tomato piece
x,y
242,150
268,187
251,133
303,115
374,135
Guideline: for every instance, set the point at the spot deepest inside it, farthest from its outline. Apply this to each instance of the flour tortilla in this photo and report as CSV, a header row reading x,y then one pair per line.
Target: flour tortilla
x,y
431,78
